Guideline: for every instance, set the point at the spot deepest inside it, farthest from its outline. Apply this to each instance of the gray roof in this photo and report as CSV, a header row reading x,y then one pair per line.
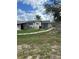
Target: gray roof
x,y
20,22
46,22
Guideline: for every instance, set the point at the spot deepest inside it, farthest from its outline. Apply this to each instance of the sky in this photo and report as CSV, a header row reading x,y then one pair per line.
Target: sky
x,y
27,9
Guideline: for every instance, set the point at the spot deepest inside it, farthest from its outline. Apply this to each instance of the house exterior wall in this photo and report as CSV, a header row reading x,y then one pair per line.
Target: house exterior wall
x,y
46,25
19,27
28,25
49,25
36,25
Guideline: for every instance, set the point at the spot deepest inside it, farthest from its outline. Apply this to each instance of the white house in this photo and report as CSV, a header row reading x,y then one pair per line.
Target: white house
x,y
20,24
33,24
36,25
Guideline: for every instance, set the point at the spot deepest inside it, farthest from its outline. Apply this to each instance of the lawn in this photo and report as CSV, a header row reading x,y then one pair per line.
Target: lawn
x,y
48,37
40,44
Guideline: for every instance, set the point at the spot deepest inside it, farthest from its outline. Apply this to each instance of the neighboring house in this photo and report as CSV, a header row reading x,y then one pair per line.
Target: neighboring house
x,y
33,24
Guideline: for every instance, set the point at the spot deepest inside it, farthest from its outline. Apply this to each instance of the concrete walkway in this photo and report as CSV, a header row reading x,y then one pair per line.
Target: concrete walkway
x,y
36,32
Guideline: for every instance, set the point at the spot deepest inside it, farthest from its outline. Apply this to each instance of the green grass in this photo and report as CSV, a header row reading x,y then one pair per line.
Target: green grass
x,y
48,37
29,30
41,42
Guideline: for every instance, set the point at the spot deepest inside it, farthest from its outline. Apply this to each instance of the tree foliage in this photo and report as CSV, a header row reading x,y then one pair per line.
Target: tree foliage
x,y
55,9
38,18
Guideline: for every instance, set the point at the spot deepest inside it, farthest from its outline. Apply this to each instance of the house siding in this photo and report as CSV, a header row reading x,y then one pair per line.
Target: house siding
x,y
44,25
19,27
36,25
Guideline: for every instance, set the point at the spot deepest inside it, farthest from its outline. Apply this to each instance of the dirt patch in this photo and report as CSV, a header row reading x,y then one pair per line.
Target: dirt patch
x,y
45,51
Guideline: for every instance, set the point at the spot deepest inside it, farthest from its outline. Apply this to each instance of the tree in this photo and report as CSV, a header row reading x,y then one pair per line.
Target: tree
x,y
38,18
55,9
